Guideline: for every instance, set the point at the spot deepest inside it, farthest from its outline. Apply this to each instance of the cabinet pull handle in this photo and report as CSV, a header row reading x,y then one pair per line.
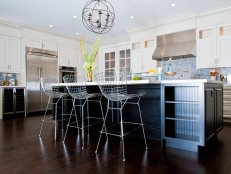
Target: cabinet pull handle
x,y
39,73
212,93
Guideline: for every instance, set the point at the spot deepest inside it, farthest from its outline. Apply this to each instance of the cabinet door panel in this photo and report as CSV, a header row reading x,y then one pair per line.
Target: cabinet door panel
x,y
62,60
207,47
74,57
14,54
219,108
3,53
206,54
8,101
148,63
209,112
136,61
224,52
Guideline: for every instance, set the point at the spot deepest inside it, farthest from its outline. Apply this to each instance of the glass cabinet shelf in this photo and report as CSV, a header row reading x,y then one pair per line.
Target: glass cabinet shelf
x,y
181,119
183,102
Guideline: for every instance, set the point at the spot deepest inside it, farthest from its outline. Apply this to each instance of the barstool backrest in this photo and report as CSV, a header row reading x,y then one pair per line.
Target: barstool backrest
x,y
75,84
48,85
113,85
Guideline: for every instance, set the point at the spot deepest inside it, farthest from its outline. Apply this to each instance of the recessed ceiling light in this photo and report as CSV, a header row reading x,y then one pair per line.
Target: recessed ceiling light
x,y
132,17
173,5
50,26
77,33
75,16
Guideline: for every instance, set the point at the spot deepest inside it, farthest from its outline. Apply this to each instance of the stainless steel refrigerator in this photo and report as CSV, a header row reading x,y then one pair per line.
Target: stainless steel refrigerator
x,y
39,63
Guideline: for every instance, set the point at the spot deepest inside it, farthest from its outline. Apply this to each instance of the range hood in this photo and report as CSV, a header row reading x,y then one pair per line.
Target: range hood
x,y
176,45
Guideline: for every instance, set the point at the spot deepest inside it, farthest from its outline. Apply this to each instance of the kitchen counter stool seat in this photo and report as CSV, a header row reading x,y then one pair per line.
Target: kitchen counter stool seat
x,y
113,85
54,97
81,98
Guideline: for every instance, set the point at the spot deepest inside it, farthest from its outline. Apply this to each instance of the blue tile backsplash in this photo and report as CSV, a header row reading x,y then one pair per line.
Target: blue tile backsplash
x,y
10,76
186,69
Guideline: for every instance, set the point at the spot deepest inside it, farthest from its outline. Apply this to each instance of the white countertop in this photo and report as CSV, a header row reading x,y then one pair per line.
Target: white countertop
x,y
191,81
12,87
137,82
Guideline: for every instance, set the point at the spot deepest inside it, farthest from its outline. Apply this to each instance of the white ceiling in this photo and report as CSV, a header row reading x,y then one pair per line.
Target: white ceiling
x,y
42,13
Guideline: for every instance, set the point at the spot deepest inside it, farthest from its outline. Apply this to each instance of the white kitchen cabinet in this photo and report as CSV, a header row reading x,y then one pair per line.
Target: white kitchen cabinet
x,y
68,56
3,53
9,54
42,44
224,45
213,46
136,57
141,55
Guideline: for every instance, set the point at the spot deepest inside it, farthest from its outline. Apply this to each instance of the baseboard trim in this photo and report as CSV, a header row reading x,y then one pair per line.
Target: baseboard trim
x,y
227,121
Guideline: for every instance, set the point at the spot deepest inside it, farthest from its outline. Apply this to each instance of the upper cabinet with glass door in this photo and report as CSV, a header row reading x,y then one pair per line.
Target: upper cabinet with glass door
x,y
224,45
141,55
213,46
206,47
117,58
109,58
125,59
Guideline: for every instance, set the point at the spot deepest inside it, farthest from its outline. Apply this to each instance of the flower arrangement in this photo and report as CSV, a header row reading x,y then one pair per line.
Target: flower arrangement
x,y
213,73
89,59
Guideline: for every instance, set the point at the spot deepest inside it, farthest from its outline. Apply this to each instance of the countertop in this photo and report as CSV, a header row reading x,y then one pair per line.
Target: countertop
x,y
12,87
137,82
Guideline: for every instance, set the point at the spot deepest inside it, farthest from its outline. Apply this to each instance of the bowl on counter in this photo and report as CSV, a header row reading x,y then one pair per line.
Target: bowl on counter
x,y
170,74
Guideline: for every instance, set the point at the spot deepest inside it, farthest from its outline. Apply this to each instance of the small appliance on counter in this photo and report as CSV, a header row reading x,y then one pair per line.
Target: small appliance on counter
x,y
12,82
5,82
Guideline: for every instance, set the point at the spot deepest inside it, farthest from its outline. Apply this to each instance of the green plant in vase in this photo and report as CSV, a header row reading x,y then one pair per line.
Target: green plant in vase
x,y
89,59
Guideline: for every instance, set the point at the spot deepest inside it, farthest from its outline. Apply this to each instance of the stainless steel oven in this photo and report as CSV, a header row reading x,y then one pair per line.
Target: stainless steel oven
x,y
66,71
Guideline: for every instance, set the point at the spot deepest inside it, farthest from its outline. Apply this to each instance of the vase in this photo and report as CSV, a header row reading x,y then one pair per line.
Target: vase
x,y
89,75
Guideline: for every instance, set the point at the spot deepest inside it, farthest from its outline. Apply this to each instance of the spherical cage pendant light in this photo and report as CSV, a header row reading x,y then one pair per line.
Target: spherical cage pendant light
x,y
98,16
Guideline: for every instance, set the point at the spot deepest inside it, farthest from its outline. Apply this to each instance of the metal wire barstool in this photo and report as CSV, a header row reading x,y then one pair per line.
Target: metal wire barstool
x,y
113,85
76,86
51,89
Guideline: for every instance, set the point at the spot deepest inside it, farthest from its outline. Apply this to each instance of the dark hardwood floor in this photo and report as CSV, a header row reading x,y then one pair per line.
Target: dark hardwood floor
x,y
23,152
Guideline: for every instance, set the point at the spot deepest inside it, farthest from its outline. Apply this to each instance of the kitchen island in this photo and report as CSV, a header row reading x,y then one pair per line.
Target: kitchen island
x,y
182,113
150,105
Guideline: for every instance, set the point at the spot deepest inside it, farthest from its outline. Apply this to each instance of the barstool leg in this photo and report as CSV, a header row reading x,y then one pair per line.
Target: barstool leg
x,y
103,127
69,120
44,117
141,120
122,132
87,118
62,113
82,107
56,119
100,103
76,116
